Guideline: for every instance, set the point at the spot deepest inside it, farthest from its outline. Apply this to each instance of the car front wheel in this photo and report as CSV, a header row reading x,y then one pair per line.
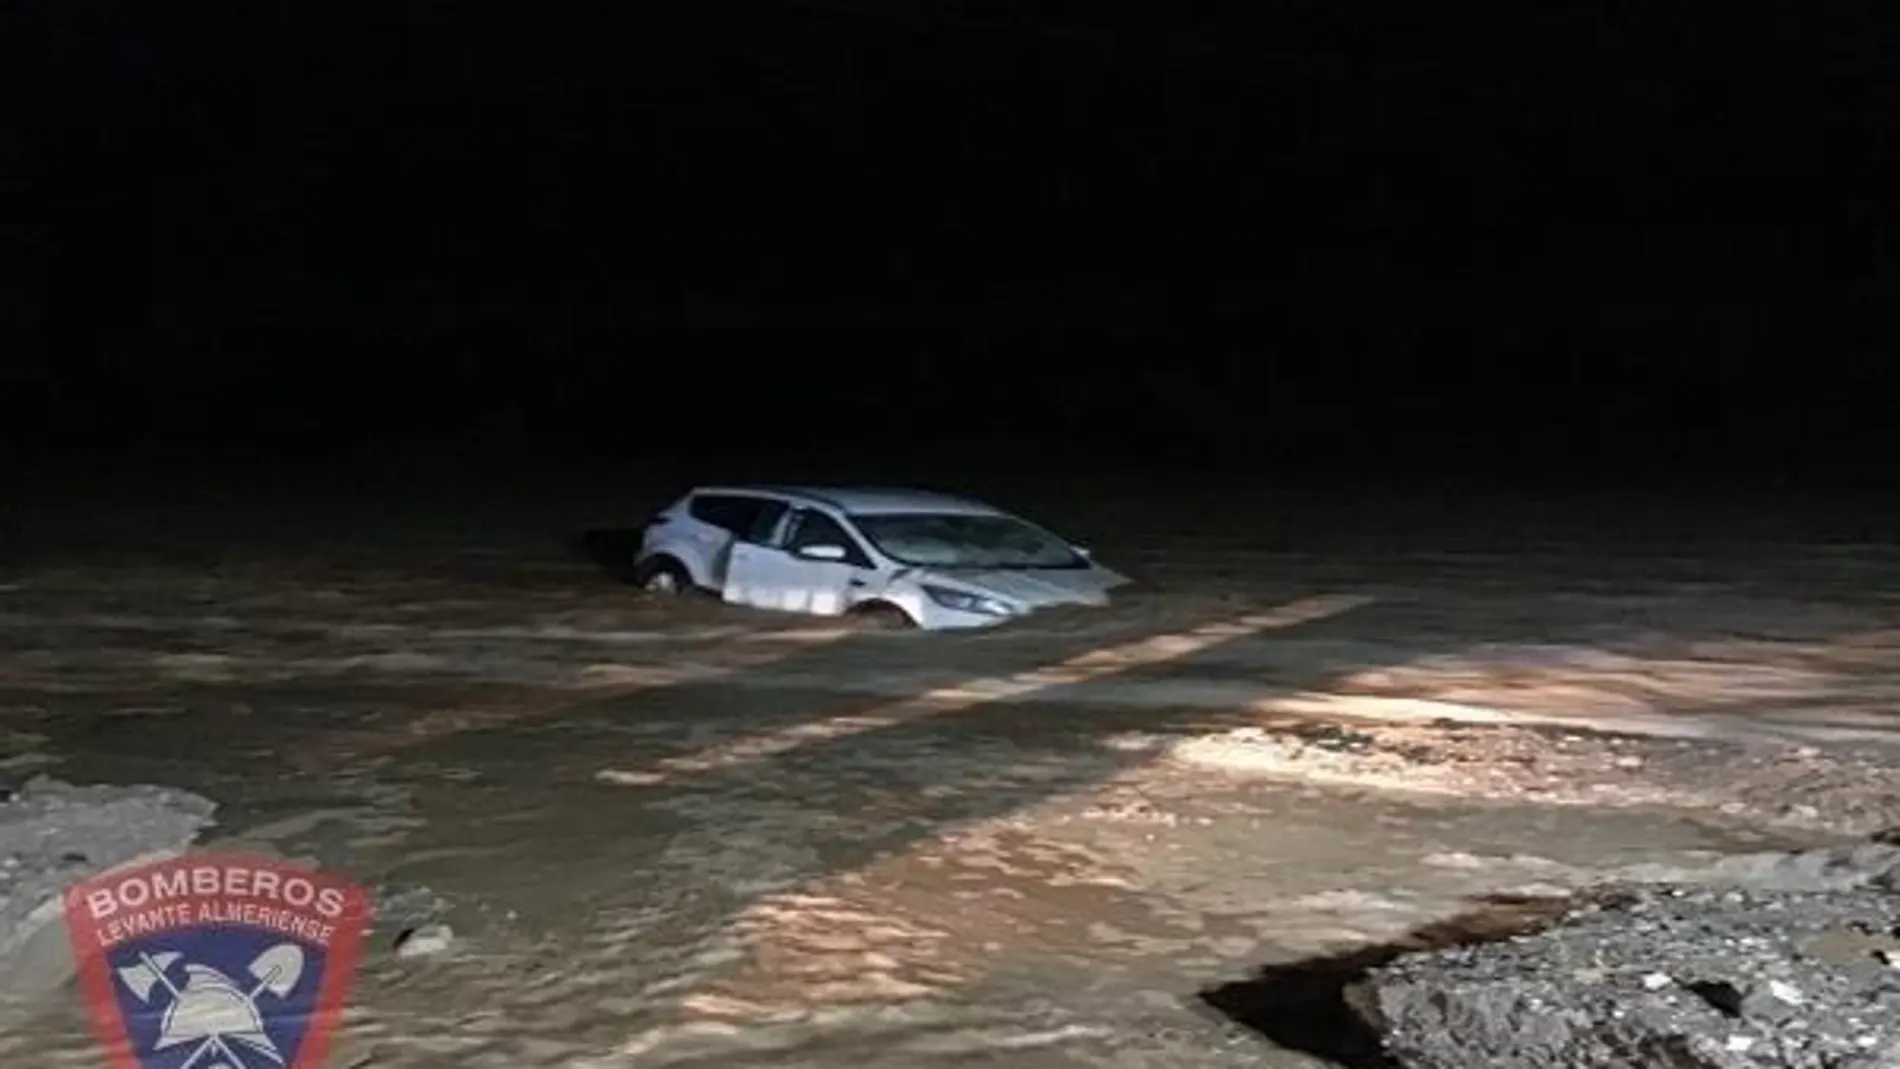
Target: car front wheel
x,y
882,616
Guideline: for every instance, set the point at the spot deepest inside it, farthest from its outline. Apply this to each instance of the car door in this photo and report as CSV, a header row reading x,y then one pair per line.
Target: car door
x,y
701,531
810,565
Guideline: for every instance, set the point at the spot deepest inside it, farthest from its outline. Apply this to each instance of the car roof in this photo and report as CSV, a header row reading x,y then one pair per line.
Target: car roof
x,y
867,500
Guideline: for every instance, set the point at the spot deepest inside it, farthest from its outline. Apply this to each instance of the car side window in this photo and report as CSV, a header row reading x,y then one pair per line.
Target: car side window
x,y
817,529
765,523
739,515
719,510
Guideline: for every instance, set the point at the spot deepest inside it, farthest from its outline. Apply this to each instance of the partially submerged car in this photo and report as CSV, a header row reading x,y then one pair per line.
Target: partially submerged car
x,y
905,556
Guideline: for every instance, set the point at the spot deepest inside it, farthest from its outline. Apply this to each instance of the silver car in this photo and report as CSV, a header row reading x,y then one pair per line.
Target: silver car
x,y
910,557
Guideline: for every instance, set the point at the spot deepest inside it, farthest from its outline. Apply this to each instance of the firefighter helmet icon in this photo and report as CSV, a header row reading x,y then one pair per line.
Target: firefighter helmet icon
x,y
216,961
210,1012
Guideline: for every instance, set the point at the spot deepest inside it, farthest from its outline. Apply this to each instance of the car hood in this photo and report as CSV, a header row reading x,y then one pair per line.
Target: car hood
x,y
1030,587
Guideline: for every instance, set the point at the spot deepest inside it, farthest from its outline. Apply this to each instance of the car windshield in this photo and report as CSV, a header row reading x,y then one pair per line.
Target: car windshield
x,y
961,540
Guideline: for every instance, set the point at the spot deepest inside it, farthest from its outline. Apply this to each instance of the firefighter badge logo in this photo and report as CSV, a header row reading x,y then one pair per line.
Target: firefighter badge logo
x,y
216,961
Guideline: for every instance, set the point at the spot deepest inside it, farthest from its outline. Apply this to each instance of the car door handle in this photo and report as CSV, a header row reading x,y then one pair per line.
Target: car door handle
x,y
857,582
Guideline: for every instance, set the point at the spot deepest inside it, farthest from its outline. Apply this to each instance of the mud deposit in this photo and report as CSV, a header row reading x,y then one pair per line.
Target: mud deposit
x,y
671,835
1700,977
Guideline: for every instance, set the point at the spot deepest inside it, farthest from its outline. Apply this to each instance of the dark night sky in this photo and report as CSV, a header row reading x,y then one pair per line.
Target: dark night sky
x,y
1277,234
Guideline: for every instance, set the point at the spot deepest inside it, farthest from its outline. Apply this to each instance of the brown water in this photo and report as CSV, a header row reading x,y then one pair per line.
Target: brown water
x,y
682,835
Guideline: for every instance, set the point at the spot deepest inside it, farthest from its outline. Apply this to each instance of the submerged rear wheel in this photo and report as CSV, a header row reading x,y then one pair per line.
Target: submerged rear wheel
x,y
664,577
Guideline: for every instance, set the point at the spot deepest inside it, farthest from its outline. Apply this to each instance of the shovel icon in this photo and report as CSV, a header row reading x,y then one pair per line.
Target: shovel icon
x,y
210,1009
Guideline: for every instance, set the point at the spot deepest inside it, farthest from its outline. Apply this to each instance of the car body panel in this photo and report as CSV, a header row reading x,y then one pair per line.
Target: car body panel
x,y
767,577
750,544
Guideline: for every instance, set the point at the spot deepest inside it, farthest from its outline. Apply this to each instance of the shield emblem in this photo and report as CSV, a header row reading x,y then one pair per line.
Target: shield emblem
x,y
216,961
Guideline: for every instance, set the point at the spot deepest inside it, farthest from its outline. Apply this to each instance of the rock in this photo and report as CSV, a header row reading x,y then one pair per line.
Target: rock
x,y
424,941
1773,1002
53,835
1678,977
405,909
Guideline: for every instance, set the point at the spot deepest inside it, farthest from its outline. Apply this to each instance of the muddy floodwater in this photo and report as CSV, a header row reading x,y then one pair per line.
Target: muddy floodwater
x,y
671,834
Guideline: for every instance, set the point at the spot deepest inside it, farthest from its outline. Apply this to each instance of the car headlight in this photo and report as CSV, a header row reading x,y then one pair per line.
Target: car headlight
x,y
964,601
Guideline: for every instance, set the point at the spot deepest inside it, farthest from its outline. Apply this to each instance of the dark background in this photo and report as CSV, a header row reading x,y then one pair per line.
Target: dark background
x,y
1596,240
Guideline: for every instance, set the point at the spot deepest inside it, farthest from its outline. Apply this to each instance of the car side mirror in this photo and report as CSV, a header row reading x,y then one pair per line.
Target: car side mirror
x,y
1084,552
821,552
